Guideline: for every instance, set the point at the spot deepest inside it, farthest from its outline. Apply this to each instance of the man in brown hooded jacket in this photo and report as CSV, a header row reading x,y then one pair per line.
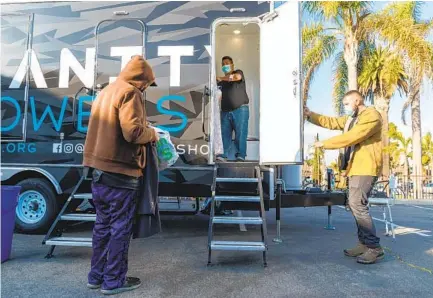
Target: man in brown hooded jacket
x,y
115,150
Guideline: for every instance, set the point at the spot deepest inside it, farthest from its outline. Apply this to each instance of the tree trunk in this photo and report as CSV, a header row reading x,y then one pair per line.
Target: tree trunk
x,y
351,59
414,81
382,105
306,83
416,142
431,170
323,168
406,176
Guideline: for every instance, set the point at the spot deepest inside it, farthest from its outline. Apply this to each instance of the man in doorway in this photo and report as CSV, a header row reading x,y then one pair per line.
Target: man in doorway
x,y
115,150
234,110
362,163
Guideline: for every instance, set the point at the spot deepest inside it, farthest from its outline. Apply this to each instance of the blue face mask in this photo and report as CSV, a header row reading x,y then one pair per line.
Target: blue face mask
x,y
348,110
226,68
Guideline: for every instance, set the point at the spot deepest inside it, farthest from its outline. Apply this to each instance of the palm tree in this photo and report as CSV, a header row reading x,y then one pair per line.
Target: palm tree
x,y
400,25
427,152
317,47
395,155
317,163
399,148
349,20
382,74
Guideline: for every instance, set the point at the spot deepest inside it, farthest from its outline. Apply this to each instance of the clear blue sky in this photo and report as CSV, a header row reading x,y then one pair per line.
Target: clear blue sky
x,y
321,99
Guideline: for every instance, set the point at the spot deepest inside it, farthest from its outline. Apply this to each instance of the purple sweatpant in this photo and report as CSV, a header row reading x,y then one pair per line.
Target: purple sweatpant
x,y
115,208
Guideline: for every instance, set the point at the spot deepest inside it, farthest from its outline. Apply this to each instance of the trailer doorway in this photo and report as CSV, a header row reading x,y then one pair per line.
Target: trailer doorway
x,y
272,73
240,40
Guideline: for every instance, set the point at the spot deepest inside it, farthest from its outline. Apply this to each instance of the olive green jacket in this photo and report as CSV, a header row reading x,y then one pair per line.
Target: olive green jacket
x,y
365,136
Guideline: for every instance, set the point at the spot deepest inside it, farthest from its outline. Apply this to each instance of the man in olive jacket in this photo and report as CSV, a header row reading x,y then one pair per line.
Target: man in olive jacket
x,y
361,160
115,150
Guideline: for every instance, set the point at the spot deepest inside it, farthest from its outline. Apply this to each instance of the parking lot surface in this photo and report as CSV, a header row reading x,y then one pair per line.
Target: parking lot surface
x,y
309,262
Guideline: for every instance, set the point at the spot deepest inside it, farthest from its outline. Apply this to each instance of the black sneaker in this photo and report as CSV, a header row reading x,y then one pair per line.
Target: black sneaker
x,y
93,287
131,283
240,159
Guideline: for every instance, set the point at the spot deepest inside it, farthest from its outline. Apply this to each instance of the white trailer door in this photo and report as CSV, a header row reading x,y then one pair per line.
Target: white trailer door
x,y
281,119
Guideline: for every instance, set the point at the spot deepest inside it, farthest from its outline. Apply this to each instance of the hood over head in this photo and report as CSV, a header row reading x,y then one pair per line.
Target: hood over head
x,y
138,73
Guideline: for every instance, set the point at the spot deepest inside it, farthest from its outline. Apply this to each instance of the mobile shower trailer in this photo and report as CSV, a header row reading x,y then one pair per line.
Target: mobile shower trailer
x,y
56,56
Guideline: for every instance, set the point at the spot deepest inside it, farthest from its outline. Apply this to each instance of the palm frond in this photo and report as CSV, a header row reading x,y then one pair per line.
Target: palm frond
x,y
407,9
331,9
395,134
382,73
313,8
338,11
317,47
406,36
366,70
321,49
311,32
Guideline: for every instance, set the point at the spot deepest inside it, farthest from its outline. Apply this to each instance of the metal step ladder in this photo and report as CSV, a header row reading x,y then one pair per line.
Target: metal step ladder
x,y
261,220
55,236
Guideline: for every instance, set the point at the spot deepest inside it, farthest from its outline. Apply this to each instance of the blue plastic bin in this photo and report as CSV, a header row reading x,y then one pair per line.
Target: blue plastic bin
x,y
9,201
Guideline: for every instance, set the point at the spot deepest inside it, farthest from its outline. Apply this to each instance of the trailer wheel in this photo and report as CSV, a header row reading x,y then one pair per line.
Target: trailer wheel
x,y
37,206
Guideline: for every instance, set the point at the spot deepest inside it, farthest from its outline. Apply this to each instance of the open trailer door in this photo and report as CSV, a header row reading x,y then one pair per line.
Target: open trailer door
x,y
281,110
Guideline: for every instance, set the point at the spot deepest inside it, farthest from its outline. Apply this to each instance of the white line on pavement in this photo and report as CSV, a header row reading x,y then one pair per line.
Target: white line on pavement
x,y
401,229
419,207
406,230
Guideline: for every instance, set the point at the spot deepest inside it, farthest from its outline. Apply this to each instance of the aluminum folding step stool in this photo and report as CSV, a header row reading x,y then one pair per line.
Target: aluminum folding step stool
x,y
261,220
54,236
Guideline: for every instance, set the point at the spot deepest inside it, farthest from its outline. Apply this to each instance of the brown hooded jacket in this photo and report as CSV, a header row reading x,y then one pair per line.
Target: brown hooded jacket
x,y
118,128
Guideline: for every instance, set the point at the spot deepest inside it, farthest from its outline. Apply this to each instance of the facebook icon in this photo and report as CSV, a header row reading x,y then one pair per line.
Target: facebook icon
x,y
57,148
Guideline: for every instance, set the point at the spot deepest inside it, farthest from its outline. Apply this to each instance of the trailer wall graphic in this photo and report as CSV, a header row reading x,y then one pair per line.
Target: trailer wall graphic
x,y
57,55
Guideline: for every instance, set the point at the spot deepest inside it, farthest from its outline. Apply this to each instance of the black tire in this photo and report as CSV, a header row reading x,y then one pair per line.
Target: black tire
x,y
41,194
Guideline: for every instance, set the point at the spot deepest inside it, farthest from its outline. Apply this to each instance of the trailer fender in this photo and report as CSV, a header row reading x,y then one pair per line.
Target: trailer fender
x,y
10,172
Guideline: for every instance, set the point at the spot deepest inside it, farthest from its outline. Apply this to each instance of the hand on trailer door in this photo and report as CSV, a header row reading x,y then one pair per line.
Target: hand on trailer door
x,y
307,112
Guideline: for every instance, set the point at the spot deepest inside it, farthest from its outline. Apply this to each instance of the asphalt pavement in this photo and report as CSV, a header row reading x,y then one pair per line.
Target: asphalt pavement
x,y
308,263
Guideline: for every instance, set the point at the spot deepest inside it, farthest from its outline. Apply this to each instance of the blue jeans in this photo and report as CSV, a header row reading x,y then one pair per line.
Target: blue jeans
x,y
237,121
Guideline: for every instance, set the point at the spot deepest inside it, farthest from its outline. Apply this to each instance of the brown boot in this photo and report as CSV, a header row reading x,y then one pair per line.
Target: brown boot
x,y
356,251
371,256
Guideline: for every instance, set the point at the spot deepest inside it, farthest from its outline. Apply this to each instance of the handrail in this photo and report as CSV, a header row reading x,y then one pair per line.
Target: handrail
x,y
203,110
143,41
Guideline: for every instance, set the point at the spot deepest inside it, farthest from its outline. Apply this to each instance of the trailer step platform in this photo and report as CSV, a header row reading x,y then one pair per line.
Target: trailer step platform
x,y
69,241
237,220
54,236
238,245
238,199
260,220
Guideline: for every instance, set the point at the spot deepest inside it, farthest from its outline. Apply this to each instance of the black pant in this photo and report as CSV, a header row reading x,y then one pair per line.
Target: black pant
x,y
359,190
